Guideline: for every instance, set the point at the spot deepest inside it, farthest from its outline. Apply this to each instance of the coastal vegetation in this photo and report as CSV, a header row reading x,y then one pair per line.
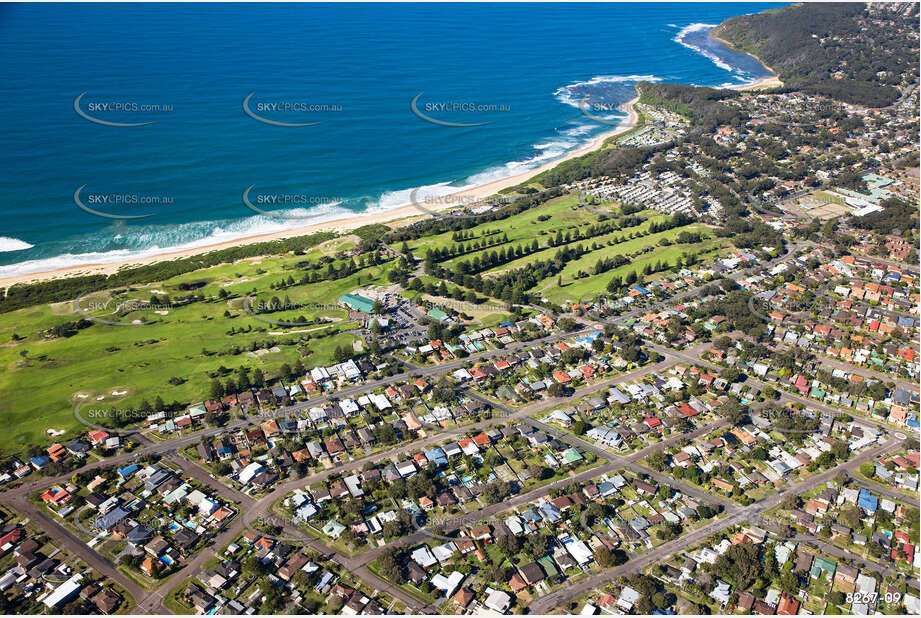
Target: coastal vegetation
x,y
61,289
174,347
838,50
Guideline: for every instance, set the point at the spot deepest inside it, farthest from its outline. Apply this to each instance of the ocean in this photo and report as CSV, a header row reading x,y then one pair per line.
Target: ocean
x,y
135,129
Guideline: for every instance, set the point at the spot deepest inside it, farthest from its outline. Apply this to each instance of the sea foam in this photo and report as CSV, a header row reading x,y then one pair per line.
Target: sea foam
x,y
13,244
682,36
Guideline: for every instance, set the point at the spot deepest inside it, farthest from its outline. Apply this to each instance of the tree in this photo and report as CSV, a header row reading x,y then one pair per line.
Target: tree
x,y
508,543
217,389
867,469
850,516
536,545
495,492
604,557
258,378
657,460
389,567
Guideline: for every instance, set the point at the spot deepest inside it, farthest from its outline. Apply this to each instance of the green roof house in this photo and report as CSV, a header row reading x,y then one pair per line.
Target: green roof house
x,y
333,529
358,303
822,564
571,455
549,568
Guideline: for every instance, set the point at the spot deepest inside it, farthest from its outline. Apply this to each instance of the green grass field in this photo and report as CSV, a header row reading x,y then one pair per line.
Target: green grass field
x,y
106,366
522,227
564,214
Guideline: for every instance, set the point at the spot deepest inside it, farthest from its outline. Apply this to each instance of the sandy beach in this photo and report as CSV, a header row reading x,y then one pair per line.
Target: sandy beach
x,y
773,81
762,84
401,215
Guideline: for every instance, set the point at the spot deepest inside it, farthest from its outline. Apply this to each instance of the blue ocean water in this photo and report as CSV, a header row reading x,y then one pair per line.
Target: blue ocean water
x,y
349,71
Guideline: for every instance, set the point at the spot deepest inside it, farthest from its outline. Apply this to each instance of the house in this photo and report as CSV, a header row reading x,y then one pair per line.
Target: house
x,y
497,600
463,597
822,567
845,578
788,605
531,573
65,592
106,601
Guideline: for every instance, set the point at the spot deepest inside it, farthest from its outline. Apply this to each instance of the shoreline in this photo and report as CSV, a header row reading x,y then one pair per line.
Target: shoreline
x,y
772,81
401,215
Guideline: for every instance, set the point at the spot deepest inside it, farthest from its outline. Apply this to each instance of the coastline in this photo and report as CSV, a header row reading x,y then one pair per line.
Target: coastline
x,y
773,81
401,215
764,83
398,216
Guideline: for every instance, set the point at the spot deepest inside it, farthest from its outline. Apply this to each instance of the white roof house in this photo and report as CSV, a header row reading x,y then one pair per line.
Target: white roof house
x,y
354,486
249,472
721,592
580,551
406,469
64,592
423,557
380,401
448,584
628,597
444,552
497,600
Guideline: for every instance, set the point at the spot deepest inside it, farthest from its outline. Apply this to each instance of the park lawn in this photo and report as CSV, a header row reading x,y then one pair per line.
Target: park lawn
x,y
123,365
561,222
628,246
636,245
255,272
828,197
592,285
522,227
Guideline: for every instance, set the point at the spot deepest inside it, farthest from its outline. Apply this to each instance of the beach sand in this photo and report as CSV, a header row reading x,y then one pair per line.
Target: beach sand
x,y
764,83
394,217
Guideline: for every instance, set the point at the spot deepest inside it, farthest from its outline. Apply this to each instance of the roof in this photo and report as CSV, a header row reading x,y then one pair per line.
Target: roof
x,y
358,303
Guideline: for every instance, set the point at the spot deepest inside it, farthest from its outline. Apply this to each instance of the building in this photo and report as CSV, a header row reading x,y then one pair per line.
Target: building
x,y
358,303
63,593
497,600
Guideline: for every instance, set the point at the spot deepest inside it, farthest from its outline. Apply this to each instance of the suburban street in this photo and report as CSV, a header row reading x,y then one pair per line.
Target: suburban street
x,y
253,509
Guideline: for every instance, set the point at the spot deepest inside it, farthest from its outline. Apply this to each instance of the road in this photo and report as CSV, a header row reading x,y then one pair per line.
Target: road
x,y
73,544
866,372
751,513
252,509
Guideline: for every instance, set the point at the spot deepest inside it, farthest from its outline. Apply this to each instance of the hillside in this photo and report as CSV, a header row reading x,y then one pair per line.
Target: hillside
x,y
840,50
